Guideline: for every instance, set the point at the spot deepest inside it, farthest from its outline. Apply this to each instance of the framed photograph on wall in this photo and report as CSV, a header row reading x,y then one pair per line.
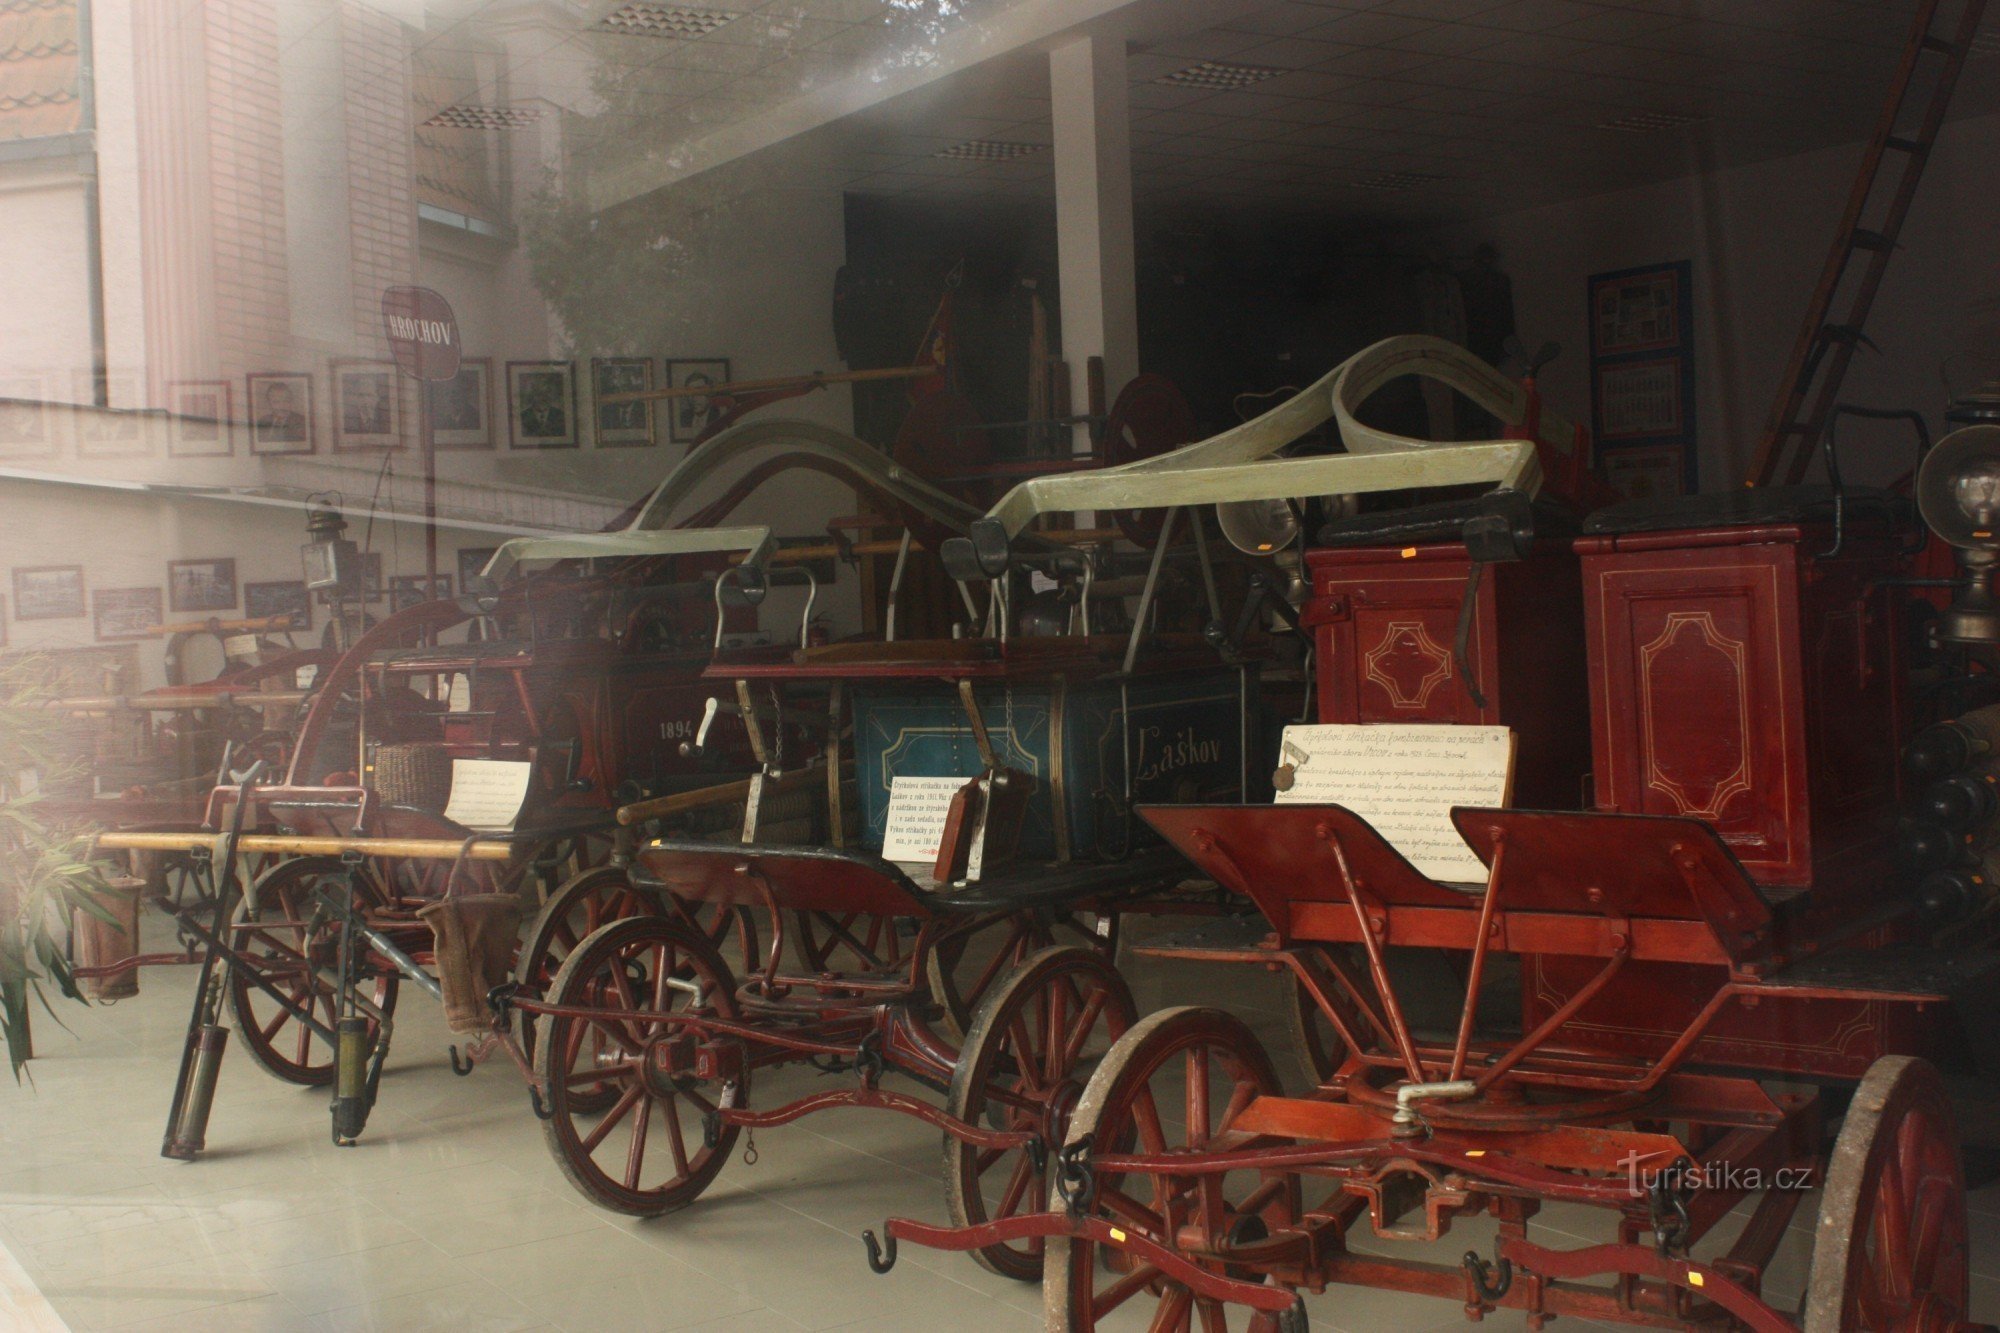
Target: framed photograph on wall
x,y
367,414
688,417
462,407
201,585
1635,310
472,562
48,592
1639,400
282,597
621,425
200,423
116,431
372,587
125,613
281,412
26,427
541,404
1642,376
407,590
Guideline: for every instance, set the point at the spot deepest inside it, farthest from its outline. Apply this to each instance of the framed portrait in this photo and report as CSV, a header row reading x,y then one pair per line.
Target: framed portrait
x,y
26,427
117,431
367,414
199,419
1638,399
50,592
406,590
621,425
283,597
125,613
472,562
688,417
461,407
201,585
281,412
541,404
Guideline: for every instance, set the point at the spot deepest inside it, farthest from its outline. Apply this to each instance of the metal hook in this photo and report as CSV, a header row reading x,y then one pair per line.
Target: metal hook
x,y
537,1105
881,1257
1481,1274
465,1068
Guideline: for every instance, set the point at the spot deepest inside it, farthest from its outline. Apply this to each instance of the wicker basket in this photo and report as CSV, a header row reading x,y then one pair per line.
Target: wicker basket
x,y
416,774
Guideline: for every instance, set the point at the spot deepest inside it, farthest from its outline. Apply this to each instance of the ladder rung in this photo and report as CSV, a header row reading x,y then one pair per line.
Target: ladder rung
x,y
1864,239
1840,333
1933,42
1903,145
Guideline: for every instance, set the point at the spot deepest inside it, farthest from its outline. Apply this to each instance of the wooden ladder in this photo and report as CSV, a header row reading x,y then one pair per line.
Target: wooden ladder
x,y
1898,152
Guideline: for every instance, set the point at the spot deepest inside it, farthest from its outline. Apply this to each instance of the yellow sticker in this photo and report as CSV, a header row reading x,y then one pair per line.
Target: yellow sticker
x,y
1475,1152
1118,1235
1694,1279
1409,553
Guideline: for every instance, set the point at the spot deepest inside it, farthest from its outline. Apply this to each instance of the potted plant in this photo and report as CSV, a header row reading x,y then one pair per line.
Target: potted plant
x,y
46,875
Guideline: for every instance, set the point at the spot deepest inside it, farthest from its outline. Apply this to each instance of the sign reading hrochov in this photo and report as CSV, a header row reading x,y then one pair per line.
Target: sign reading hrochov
x,y
423,332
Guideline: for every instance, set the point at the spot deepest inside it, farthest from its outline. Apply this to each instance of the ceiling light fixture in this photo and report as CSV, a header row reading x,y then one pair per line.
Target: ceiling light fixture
x,y
988,150
1218,75
1397,180
675,21
464,117
1646,122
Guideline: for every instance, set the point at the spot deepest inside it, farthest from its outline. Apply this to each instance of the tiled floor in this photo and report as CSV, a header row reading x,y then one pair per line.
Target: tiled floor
x,y
451,1214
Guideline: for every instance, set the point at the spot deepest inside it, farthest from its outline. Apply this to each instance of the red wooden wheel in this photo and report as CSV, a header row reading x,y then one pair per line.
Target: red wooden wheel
x,y
849,943
1321,1048
1036,1040
1150,417
646,1153
1890,1253
1176,1081
963,967
274,931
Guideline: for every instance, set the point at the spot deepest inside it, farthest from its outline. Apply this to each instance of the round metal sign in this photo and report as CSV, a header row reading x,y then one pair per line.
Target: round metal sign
x,y
423,333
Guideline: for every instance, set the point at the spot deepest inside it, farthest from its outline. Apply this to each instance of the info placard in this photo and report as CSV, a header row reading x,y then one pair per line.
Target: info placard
x,y
1404,780
917,811
487,793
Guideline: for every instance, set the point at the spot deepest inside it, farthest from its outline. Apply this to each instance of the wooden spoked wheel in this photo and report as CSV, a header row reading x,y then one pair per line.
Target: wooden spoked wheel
x,y
964,967
646,1153
1037,1038
1890,1252
1176,1081
849,943
277,935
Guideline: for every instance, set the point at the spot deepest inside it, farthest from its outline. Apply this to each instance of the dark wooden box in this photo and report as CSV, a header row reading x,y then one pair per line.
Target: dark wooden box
x,y
1741,676
1385,619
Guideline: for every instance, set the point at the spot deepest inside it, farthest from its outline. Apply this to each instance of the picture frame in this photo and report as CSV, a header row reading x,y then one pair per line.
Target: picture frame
x,y
27,429
373,588
472,562
279,407
621,425
541,405
201,585
462,407
201,419
116,431
367,407
687,418
1640,399
278,597
125,613
1646,472
407,590
1636,310
49,592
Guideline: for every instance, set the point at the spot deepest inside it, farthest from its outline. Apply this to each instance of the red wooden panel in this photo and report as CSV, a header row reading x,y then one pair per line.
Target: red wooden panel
x,y
806,880
1697,700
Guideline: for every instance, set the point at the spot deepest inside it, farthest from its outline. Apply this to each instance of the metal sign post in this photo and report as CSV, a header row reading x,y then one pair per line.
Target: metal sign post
x,y
423,337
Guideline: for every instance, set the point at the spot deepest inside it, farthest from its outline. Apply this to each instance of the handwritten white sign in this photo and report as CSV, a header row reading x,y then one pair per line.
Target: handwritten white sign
x,y
1404,780
487,793
917,811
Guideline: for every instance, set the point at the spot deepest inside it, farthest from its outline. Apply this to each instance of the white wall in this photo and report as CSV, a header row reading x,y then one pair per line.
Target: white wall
x,y
1757,237
44,278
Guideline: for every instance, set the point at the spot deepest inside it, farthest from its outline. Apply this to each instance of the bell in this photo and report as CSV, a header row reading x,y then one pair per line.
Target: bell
x,y
1258,527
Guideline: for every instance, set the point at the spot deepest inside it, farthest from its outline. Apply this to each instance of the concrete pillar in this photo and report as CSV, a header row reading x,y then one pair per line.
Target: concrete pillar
x,y
1091,109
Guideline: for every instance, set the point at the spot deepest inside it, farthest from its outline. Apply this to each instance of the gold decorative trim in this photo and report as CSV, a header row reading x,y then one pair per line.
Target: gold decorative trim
x,y
1738,780
1425,645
